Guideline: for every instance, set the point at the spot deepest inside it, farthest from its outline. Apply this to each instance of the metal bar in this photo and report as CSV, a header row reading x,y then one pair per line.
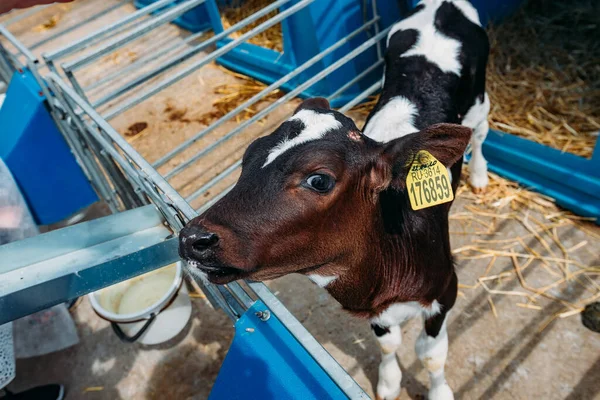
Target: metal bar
x,y
312,346
375,15
357,78
77,25
299,89
95,36
314,60
6,68
75,275
241,294
76,85
187,54
144,166
134,34
25,14
18,45
366,93
232,303
143,60
228,171
212,201
86,159
83,127
188,70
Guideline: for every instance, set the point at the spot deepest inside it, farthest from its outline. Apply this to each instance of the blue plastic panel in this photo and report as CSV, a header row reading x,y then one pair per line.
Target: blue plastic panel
x,y
306,34
266,362
34,150
573,181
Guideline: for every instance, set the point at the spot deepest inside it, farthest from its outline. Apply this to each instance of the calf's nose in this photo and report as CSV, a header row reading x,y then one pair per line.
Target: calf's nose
x,y
194,241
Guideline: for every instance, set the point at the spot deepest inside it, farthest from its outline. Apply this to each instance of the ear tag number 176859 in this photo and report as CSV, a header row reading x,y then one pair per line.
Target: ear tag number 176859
x,y
428,183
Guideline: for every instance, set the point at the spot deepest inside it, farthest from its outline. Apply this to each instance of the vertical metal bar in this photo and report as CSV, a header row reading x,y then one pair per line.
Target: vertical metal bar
x,y
77,25
376,28
241,294
134,34
309,63
212,201
71,77
228,171
95,36
357,78
25,14
18,45
101,159
187,54
6,69
142,60
188,70
366,93
299,89
114,136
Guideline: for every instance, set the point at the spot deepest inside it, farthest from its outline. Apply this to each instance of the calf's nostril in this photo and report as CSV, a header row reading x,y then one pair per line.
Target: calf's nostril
x,y
204,240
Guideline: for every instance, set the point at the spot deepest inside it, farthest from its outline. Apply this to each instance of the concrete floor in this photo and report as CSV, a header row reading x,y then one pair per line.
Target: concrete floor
x,y
510,355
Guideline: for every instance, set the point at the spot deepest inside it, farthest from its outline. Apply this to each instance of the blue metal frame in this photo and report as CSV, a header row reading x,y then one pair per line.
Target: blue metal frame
x,y
265,362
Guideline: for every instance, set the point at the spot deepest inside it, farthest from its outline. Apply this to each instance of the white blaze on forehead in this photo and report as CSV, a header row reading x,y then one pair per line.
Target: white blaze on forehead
x,y
436,47
394,120
316,125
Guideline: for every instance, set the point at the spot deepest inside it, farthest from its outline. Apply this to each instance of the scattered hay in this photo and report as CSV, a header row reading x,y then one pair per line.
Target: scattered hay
x,y
507,201
235,94
544,75
238,10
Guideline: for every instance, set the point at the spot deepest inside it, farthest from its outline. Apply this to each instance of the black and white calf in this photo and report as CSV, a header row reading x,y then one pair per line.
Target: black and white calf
x,y
435,72
319,198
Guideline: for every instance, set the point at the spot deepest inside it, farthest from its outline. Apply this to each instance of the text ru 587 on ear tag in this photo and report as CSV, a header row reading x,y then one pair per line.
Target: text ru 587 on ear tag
x,y
428,183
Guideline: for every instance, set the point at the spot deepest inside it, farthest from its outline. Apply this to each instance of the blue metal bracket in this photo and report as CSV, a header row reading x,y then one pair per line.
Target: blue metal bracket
x,y
58,266
266,362
573,181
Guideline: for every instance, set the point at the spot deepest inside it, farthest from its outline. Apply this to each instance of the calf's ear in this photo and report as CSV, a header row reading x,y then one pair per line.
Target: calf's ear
x,y
312,103
446,142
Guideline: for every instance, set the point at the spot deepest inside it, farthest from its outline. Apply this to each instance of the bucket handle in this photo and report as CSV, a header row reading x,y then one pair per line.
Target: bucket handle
x,y
130,339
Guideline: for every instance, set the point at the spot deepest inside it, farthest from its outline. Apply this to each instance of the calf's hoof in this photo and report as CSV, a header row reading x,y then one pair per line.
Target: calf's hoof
x,y
478,190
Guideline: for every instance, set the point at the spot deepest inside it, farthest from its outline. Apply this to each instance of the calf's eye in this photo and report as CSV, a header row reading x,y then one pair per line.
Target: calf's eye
x,y
321,183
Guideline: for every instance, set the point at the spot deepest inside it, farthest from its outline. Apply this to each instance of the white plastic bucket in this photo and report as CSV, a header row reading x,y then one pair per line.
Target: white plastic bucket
x,y
151,308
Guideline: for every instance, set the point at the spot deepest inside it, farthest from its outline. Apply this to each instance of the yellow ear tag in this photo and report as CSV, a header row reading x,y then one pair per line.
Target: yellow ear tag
x,y
428,183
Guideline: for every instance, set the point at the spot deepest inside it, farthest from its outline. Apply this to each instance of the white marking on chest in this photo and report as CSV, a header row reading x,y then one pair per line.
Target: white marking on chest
x,y
316,125
322,281
436,47
400,312
394,120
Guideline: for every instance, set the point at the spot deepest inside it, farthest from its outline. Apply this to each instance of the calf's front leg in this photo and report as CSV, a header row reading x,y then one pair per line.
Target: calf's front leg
x,y
432,350
390,375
